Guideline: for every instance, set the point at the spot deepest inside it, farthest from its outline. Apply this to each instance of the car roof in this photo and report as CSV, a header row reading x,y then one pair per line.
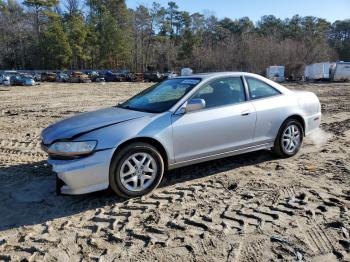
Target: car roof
x,y
208,76
217,74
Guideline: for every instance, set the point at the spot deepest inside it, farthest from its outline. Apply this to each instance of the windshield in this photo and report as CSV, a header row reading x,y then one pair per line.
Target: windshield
x,y
161,97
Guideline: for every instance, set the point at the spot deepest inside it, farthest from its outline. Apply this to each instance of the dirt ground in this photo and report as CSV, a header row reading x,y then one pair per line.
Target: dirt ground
x,y
252,207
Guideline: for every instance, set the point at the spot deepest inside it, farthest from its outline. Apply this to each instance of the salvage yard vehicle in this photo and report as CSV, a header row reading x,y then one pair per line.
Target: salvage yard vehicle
x,y
27,80
6,76
175,123
62,77
122,75
2,77
95,76
79,77
152,76
10,72
111,77
21,80
36,77
117,76
6,80
16,80
135,77
169,75
48,77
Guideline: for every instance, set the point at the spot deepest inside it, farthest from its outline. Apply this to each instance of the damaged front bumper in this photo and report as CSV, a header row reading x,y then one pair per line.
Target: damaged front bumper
x,y
83,175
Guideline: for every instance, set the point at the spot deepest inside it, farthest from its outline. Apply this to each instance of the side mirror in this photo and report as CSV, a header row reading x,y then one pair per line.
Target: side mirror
x,y
195,104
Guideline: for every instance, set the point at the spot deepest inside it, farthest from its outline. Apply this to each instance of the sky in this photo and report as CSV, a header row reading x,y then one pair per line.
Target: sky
x,y
331,10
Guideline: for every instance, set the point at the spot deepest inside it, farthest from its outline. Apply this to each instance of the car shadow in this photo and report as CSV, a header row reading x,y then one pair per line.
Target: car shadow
x,y
27,191
214,167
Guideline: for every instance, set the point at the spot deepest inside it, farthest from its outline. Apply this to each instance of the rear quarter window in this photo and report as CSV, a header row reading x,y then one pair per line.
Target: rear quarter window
x,y
259,89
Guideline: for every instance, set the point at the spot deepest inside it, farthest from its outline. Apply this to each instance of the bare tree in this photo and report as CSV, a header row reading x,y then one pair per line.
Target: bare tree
x,y
73,6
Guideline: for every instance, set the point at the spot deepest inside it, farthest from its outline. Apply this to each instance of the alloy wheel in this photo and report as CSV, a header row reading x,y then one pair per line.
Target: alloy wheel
x,y
291,138
138,172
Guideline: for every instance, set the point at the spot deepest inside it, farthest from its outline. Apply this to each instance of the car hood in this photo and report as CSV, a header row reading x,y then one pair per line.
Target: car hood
x,y
86,122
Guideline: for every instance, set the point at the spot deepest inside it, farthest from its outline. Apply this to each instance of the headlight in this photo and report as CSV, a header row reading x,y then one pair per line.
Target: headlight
x,y
72,148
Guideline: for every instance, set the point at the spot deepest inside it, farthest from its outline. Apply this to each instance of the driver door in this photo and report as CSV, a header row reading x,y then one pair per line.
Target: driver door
x,y
225,124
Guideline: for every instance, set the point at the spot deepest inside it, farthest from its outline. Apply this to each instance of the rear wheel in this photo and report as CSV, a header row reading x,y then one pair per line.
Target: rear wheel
x,y
136,170
289,138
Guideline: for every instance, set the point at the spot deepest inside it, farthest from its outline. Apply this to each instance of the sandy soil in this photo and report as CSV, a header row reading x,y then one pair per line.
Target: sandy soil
x,y
253,207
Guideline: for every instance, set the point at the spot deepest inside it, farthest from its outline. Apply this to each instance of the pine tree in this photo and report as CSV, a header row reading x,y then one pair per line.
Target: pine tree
x,y
77,36
41,10
111,22
57,51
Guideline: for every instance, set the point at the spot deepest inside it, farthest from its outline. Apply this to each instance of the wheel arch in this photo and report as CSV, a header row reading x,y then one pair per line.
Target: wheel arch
x,y
148,140
277,144
299,118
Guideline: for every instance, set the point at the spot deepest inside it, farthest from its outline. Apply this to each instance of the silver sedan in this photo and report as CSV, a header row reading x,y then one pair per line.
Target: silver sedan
x,y
178,122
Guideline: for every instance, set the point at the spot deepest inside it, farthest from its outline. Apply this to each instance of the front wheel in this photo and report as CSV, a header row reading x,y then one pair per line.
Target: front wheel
x,y
136,170
289,139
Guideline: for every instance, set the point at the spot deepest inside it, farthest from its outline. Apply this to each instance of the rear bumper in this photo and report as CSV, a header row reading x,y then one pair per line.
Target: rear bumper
x,y
312,123
84,175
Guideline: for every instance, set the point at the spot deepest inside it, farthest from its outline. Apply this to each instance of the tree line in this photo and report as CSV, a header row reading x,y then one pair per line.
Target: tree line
x,y
106,34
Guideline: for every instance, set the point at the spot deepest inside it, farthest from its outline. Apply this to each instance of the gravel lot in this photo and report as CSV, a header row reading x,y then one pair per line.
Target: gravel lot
x,y
252,207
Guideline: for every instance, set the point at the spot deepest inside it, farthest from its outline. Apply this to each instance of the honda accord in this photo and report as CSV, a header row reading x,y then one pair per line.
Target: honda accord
x,y
178,122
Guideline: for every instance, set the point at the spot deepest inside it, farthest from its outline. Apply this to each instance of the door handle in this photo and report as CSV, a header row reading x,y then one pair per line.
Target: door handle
x,y
245,112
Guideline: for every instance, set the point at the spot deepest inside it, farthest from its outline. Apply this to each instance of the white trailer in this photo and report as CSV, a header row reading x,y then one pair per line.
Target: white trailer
x,y
317,71
275,73
340,71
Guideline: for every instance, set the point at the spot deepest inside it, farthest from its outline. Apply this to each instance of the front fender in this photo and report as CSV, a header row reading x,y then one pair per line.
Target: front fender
x,y
157,127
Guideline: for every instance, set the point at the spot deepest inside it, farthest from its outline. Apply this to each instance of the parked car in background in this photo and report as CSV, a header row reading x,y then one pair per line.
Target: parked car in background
x,y
79,77
95,76
152,76
2,76
122,75
6,80
48,77
62,77
169,75
21,80
36,77
5,77
111,77
16,80
10,72
179,122
28,80
135,77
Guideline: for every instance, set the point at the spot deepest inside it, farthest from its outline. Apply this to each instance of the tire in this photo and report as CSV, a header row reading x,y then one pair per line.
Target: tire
x,y
120,166
281,143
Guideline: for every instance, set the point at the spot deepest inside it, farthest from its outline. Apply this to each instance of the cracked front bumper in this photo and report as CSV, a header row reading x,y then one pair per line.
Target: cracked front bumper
x,y
83,175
